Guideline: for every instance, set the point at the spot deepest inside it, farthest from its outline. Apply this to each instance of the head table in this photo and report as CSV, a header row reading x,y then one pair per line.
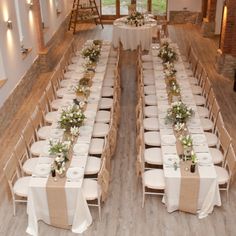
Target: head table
x,y
131,36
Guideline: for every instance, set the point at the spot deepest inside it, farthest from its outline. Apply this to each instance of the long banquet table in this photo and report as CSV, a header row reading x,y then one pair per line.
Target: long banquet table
x,y
67,203
131,36
175,195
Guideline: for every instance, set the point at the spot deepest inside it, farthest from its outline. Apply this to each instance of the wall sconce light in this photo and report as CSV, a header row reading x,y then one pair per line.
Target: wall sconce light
x,y
30,4
9,24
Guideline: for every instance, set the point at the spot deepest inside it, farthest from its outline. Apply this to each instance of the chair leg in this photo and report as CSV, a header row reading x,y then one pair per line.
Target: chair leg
x,y
143,200
14,208
99,209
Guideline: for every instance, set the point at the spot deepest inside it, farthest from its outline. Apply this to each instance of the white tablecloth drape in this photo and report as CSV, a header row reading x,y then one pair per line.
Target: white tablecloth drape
x,y
130,36
209,195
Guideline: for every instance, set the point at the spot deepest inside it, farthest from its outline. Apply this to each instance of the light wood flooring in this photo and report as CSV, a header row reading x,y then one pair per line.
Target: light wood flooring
x,y
122,214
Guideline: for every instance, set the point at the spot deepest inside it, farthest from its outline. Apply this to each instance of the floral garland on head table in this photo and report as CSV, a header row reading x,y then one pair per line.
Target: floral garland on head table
x,y
135,19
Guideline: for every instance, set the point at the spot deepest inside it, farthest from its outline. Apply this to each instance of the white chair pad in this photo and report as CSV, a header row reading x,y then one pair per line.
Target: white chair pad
x,y
108,82
90,189
148,80
193,80
149,89
96,146
153,156
93,165
199,100
40,148
150,100
151,111
207,124
146,58
47,132
21,186
154,179
189,72
148,73
52,116
113,53
29,165
100,130
147,65
152,138
107,91
196,89
105,103
151,124
222,175
212,139
103,116
217,156
112,60
58,103
203,111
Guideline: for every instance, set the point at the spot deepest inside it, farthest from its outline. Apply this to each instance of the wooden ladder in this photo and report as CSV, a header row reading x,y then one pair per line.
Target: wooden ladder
x,y
81,12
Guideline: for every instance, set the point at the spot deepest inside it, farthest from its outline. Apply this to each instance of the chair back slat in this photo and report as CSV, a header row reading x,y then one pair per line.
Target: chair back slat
x,y
10,169
231,161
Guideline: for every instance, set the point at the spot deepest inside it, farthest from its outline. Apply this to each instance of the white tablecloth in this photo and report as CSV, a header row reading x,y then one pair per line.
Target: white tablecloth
x,y
209,195
79,216
130,36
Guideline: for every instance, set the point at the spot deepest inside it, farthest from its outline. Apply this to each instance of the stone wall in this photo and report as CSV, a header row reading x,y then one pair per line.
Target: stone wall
x,y
181,17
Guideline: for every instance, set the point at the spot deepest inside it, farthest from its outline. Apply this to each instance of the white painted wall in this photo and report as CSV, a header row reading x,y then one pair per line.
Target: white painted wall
x,y
218,19
179,5
12,65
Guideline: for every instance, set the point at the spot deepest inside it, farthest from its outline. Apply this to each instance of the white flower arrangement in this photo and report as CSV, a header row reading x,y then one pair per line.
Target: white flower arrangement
x,y
71,116
82,90
179,127
167,53
178,113
186,141
135,18
74,131
92,52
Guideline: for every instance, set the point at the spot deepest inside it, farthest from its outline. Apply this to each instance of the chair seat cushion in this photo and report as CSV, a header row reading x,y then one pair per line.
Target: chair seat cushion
x,y
21,186
148,73
150,100
105,103
212,139
149,89
100,130
109,82
152,138
52,116
93,165
103,116
154,179
107,91
153,156
40,148
96,146
207,124
148,80
196,89
193,80
151,123
217,156
222,175
29,165
147,65
151,111
146,58
199,100
203,111
90,189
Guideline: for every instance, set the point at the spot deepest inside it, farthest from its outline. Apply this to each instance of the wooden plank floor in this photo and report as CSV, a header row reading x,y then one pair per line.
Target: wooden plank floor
x,y
122,214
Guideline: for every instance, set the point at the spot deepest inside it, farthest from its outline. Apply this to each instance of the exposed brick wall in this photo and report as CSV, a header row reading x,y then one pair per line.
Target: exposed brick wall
x,y
211,10
180,17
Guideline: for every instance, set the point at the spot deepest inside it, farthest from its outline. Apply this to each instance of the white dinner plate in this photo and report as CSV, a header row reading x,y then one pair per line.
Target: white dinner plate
x,y
171,159
42,170
75,173
204,158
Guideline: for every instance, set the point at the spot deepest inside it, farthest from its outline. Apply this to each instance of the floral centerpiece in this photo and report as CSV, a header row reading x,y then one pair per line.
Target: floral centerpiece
x,y
71,116
178,113
135,18
82,90
85,81
169,69
92,52
97,42
60,150
174,87
187,143
167,53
